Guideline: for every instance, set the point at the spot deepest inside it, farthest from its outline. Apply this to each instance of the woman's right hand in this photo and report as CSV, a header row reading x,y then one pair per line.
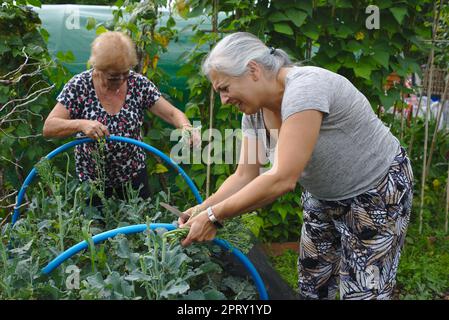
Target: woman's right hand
x,y
93,129
186,215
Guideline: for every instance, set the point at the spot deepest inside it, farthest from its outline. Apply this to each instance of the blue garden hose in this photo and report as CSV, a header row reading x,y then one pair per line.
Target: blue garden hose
x,y
135,228
142,227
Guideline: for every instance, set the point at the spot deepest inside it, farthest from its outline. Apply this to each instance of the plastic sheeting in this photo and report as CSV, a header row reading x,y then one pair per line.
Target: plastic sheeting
x,y
66,25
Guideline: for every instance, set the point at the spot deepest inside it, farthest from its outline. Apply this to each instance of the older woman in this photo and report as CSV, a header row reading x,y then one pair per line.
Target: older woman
x,y
111,99
356,178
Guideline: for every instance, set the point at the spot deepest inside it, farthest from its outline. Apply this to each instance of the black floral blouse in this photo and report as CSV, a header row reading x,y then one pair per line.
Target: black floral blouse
x,y
122,160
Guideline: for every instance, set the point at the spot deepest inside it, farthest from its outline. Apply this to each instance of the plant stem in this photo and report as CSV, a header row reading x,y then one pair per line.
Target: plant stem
x,y
61,223
66,175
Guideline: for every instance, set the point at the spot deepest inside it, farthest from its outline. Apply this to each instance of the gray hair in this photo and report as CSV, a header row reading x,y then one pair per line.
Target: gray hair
x,y
232,54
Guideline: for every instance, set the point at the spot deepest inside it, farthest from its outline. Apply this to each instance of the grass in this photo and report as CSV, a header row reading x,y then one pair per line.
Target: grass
x,y
286,265
424,267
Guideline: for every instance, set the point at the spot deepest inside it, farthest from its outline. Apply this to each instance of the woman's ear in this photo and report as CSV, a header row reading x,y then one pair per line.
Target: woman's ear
x,y
254,70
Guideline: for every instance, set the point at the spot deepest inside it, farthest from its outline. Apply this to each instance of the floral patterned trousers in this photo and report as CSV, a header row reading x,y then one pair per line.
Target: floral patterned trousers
x,y
356,242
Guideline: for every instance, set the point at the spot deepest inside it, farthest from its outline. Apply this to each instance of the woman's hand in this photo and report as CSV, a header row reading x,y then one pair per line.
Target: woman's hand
x,y
193,135
201,229
186,215
93,129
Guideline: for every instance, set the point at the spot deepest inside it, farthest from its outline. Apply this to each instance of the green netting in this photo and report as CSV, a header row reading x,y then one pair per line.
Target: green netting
x,y
66,25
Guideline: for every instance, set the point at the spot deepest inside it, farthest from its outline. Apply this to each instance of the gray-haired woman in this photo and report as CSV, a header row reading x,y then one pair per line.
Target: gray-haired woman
x,y
356,177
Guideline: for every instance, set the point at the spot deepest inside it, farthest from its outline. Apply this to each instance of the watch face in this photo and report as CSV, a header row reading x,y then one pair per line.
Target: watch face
x,y
212,218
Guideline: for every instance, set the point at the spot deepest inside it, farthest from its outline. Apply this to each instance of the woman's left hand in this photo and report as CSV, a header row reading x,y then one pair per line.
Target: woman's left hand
x,y
194,135
201,229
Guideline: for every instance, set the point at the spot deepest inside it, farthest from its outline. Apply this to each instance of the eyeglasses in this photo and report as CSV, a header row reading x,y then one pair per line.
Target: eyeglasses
x,y
113,77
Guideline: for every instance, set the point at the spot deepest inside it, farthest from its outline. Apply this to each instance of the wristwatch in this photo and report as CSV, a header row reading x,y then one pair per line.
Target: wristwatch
x,y
213,219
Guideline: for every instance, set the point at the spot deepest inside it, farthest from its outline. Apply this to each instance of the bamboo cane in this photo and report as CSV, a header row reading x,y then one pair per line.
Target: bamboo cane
x,y
447,201
438,119
211,103
436,15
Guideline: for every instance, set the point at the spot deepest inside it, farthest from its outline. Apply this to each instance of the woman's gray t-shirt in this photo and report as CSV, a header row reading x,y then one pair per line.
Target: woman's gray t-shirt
x,y
354,148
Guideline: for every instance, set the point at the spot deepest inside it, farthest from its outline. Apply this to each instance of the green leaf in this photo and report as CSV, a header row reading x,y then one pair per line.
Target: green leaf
x,y
3,48
179,288
214,295
154,134
343,31
275,219
222,114
283,28
306,5
35,3
195,295
353,46
210,267
23,249
333,66
278,16
363,70
311,31
4,96
399,13
91,22
160,168
389,99
283,212
123,248
382,58
100,30
384,4
44,33
192,111
196,12
199,179
296,16
219,169
171,22
119,3
69,56
345,4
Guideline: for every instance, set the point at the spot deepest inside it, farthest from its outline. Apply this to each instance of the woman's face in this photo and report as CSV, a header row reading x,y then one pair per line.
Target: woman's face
x,y
241,91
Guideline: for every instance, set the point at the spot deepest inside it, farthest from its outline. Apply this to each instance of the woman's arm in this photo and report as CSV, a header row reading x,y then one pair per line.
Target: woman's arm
x,y
247,170
297,139
58,124
169,113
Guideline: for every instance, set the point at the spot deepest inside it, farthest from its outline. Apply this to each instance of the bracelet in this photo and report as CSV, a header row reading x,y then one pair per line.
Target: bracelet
x,y
213,219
